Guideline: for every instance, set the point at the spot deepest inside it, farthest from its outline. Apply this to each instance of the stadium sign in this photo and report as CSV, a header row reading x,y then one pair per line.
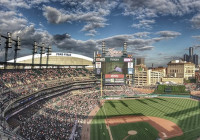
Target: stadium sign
x,y
130,64
130,71
114,59
98,71
100,59
98,65
119,80
63,54
128,59
114,75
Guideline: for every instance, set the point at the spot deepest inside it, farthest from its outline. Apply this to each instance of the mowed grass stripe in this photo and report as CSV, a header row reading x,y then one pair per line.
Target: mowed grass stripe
x,y
184,112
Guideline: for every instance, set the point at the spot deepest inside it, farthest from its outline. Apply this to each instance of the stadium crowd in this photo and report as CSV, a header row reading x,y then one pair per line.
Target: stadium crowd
x,y
57,116
119,90
19,83
53,118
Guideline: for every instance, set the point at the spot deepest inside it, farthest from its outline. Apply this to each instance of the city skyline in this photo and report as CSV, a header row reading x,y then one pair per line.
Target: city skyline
x,y
155,30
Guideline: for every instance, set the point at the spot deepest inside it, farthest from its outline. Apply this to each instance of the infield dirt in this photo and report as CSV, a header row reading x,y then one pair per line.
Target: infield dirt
x,y
167,129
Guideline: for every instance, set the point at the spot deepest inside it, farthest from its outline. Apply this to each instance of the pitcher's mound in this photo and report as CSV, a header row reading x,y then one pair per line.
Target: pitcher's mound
x,y
132,132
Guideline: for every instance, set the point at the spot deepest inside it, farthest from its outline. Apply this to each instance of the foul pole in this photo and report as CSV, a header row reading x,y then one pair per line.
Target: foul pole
x,y
101,85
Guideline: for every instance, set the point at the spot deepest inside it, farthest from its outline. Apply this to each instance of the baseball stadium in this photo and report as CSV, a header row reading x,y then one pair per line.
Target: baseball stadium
x,y
67,96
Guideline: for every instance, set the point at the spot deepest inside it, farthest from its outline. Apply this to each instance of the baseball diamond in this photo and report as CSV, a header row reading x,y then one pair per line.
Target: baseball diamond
x,y
151,118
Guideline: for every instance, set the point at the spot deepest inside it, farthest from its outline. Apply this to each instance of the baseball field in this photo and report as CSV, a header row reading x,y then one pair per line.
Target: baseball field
x,y
147,119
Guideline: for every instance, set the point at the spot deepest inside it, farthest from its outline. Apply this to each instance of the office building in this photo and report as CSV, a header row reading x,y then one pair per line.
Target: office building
x,y
140,61
181,69
145,77
191,51
186,57
193,58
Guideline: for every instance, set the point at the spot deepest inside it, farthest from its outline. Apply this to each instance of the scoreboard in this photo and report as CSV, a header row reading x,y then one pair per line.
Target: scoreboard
x,y
114,69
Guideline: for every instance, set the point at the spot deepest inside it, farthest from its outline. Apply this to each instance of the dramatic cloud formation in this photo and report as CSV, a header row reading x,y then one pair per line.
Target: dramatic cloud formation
x,y
65,42
93,15
148,9
11,21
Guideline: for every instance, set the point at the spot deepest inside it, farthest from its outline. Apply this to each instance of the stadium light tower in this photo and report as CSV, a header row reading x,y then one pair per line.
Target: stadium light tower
x,y
125,49
103,49
42,51
8,45
48,53
17,47
34,52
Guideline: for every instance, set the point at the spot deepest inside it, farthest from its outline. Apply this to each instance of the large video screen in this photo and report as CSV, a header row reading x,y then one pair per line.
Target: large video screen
x,y
114,68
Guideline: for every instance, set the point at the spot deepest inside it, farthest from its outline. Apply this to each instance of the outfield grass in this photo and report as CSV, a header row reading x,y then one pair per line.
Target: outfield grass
x,y
144,131
184,112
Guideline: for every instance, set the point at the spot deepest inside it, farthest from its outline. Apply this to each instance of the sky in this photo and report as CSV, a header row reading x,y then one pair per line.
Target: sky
x,y
158,30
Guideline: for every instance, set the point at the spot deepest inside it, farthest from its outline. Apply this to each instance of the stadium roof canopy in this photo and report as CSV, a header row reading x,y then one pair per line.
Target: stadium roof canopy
x,y
57,58
57,54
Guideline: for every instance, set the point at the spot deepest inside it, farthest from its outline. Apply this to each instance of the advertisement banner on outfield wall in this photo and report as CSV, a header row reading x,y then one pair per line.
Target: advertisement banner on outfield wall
x,y
100,59
128,59
130,64
114,75
114,80
98,71
130,71
98,65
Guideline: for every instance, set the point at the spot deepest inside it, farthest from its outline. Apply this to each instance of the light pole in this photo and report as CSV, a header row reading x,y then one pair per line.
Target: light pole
x,y
34,51
17,47
42,51
8,45
48,53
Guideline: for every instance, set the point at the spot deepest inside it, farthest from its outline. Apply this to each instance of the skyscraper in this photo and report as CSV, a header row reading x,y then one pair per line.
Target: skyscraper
x,y
186,57
195,59
191,51
140,61
191,57
191,54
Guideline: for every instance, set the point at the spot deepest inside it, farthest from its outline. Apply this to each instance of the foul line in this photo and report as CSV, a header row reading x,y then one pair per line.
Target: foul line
x,y
107,125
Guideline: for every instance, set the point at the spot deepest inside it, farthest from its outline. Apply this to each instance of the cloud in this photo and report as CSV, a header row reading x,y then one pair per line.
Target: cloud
x,y
66,42
93,19
168,34
13,4
10,21
197,36
196,21
144,24
141,34
29,34
145,48
151,9
55,16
